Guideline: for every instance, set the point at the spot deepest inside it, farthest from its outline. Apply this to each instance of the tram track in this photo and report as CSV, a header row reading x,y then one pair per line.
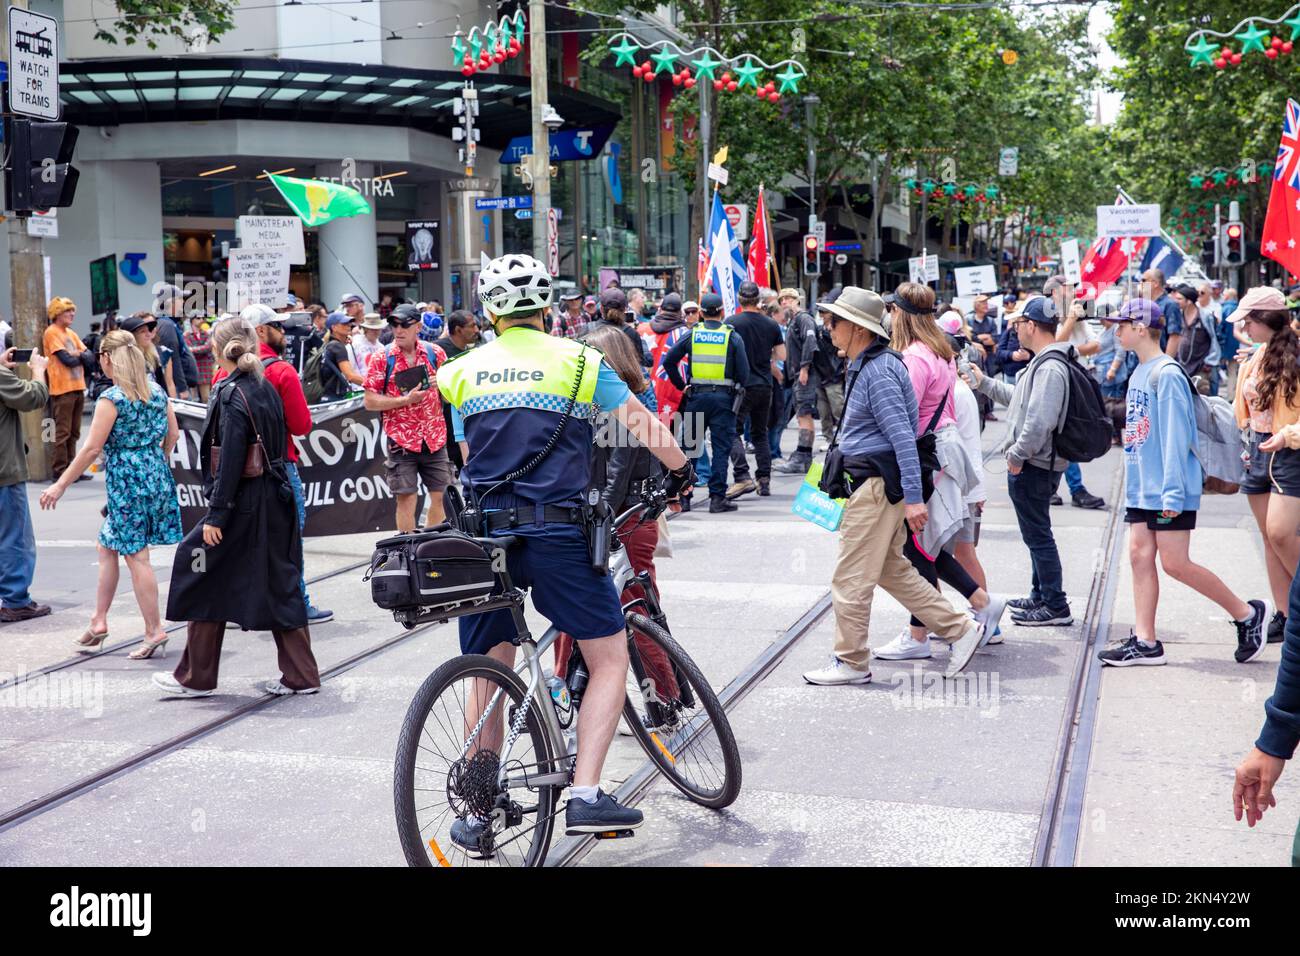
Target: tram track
x,y
84,657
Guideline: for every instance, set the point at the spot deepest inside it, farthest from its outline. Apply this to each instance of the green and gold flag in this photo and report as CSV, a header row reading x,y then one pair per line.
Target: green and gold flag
x,y
317,202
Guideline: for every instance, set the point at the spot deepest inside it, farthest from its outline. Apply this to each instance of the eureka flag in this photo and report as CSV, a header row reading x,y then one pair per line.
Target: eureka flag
x,y
317,202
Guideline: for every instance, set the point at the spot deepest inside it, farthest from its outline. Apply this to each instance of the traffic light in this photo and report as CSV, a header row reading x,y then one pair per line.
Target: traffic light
x,y
812,255
1233,238
40,174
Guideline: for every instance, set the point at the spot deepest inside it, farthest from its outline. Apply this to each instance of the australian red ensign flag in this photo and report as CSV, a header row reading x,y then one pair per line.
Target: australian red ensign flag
x,y
1282,223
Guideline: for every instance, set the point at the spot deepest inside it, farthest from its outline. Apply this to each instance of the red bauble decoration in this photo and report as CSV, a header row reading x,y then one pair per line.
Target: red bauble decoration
x,y
484,62
498,57
1276,43
717,84
513,46
773,96
1232,181
1226,52
1271,53
761,93
677,79
726,77
1287,46
467,70
1236,59
1220,63
638,70
689,82
648,76
770,86
731,86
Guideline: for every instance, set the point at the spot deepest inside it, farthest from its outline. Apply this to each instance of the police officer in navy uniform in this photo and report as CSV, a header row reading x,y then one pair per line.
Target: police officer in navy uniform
x,y
717,372
509,398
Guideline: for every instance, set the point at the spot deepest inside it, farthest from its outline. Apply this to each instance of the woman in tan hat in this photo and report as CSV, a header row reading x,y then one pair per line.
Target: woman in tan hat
x,y
1268,401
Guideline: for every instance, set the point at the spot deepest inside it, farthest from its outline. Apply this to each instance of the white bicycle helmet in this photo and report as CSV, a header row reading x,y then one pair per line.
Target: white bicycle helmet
x,y
514,283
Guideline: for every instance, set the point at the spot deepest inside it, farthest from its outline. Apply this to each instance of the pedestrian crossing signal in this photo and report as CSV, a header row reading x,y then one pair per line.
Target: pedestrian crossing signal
x,y
1233,244
40,174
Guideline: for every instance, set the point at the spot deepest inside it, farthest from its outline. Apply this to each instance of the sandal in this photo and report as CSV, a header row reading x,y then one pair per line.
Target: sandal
x,y
90,640
147,648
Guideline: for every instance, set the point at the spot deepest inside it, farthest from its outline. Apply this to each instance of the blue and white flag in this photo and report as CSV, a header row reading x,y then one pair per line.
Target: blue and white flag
x,y
726,261
1161,255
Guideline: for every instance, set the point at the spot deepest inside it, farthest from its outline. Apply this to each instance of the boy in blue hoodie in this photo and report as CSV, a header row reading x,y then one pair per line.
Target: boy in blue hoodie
x,y
1163,491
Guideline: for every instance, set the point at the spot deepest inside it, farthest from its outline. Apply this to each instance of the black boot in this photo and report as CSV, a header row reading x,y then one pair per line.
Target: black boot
x,y
717,503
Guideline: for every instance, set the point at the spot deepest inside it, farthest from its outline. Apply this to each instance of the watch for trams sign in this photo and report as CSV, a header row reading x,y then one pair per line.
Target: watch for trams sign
x,y
33,64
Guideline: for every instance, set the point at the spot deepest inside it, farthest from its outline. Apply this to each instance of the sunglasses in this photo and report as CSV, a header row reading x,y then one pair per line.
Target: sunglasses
x,y
151,326
691,310
398,324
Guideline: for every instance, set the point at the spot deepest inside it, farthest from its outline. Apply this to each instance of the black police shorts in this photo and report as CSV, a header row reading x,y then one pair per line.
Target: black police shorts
x,y
1183,521
1271,472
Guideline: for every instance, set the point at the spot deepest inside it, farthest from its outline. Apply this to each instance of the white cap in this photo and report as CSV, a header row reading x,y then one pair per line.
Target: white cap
x,y
256,315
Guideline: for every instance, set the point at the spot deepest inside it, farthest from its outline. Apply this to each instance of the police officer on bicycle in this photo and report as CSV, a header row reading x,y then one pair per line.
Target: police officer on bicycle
x,y
717,373
522,405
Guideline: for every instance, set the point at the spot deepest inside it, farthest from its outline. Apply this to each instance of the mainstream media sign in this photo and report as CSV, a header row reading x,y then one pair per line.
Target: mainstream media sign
x,y
504,202
566,144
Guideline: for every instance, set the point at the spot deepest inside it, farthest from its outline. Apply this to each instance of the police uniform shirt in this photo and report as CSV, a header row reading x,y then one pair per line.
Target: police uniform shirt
x,y
737,358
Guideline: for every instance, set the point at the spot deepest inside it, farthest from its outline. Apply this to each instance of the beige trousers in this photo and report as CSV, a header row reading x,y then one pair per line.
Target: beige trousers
x,y
871,555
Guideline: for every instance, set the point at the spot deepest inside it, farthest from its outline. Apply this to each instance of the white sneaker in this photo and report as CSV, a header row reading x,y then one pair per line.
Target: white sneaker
x,y
837,672
277,688
990,617
904,648
963,649
170,685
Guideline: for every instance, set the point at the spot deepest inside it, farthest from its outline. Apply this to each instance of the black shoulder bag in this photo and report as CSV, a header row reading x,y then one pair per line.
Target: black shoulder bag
x,y
834,480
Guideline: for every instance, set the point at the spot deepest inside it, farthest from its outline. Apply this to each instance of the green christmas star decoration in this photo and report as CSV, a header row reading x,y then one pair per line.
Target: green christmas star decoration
x,y
928,186
971,191
1202,52
949,189
747,74
1252,38
1219,176
909,183
624,53
665,61
457,48
991,192
1195,181
789,79
1294,24
705,66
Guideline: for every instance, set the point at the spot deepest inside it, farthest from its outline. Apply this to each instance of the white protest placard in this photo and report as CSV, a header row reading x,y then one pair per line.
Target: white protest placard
x,y
1070,261
718,173
923,269
258,276
44,223
974,280
274,232
33,64
1129,220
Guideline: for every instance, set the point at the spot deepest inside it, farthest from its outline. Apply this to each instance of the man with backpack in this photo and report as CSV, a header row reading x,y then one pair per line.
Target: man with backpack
x,y
1163,491
1039,411
414,428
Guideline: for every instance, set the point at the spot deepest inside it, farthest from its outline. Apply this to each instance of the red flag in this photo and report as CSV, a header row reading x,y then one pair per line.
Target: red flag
x,y
1282,221
702,267
760,246
1106,260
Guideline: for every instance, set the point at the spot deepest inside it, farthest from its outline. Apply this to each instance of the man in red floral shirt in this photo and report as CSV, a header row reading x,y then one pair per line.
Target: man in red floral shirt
x,y
416,431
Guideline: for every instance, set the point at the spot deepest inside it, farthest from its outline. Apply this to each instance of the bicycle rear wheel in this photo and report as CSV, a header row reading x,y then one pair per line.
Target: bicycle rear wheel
x,y
681,726
448,758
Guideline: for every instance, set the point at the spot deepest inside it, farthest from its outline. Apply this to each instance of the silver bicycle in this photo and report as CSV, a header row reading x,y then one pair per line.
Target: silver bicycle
x,y
486,743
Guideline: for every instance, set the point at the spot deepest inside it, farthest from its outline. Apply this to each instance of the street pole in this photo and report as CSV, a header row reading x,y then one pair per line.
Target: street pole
x,y
27,289
706,210
541,158
810,104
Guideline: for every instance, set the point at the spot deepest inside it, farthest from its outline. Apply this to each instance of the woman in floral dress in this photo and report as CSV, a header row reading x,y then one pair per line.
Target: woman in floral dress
x,y
135,428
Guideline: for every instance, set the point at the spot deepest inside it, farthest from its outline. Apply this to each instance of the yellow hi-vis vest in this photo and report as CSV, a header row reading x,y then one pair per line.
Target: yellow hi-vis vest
x,y
709,355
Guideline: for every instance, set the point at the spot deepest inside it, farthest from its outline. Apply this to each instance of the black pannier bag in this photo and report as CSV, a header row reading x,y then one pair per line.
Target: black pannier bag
x,y
429,569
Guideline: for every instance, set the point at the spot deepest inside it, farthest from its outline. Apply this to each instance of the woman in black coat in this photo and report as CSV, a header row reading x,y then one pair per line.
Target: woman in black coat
x,y
244,561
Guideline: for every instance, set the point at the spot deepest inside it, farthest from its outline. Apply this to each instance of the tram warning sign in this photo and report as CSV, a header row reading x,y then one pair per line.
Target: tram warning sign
x,y
33,64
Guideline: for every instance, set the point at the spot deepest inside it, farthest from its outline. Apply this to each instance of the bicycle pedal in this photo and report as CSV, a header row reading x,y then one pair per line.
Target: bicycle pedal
x,y
614,834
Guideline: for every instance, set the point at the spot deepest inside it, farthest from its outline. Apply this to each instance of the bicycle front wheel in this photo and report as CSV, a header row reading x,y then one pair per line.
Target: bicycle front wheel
x,y
451,808
677,719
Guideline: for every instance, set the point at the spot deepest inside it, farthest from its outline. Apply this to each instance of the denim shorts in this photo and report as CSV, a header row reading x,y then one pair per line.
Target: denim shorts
x,y
1275,472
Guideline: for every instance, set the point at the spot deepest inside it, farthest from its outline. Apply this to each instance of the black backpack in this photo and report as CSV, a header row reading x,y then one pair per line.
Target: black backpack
x,y
1087,430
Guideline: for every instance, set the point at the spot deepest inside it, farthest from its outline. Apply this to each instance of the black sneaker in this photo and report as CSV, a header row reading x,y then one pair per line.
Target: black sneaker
x,y
605,814
764,488
1042,616
1133,653
1019,605
1277,628
1250,634
1056,500
467,833
719,505
1085,499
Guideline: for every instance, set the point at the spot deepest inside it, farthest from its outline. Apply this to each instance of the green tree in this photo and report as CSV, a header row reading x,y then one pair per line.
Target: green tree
x,y
148,20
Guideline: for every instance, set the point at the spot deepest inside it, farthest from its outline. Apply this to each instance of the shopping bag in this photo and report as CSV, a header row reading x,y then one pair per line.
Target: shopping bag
x,y
813,504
